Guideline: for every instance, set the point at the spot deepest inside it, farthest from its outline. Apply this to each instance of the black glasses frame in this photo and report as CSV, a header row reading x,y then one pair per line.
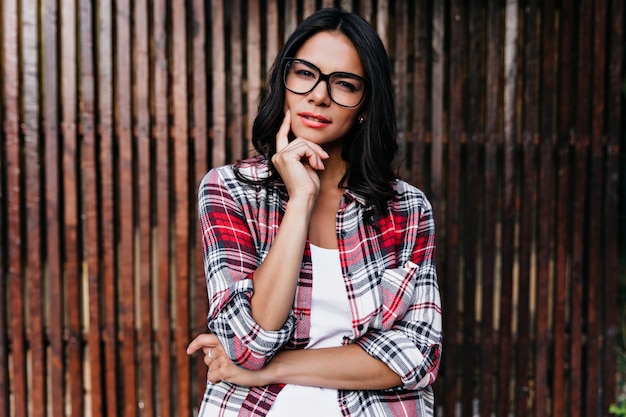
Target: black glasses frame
x,y
323,77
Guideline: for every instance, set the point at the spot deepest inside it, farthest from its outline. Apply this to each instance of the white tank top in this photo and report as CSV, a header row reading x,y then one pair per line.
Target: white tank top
x,y
330,322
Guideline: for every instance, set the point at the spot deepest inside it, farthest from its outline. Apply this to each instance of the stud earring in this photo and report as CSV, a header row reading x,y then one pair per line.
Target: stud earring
x,y
361,120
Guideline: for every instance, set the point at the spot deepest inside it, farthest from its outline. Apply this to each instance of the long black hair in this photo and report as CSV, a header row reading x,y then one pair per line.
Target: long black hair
x,y
370,147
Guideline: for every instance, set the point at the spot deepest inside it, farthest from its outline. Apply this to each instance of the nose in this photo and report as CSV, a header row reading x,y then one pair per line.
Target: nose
x,y
320,94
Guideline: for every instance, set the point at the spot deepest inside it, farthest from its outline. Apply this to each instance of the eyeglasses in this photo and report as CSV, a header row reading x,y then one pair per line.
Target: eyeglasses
x,y
344,88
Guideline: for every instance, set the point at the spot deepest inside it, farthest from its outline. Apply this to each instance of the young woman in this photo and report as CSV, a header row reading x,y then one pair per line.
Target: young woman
x,y
323,295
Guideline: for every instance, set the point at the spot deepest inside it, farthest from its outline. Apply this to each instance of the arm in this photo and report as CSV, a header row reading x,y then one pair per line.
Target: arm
x,y
276,279
230,231
251,295
409,341
345,367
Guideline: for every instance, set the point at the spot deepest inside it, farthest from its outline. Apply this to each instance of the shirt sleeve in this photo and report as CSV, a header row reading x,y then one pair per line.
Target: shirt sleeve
x,y
411,346
230,259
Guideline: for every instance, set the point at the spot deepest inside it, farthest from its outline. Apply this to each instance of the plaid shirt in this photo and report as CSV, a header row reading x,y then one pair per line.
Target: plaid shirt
x,y
390,277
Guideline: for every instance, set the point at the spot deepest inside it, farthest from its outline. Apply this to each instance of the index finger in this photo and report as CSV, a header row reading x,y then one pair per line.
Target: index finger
x,y
205,339
282,139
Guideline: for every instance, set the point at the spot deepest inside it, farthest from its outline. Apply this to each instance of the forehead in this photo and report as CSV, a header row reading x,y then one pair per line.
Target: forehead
x,y
331,52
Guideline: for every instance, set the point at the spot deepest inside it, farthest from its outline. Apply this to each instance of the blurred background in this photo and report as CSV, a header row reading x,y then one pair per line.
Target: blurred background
x,y
510,117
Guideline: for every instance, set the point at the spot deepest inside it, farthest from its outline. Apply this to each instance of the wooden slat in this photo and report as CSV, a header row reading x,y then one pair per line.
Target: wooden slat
x,y
400,81
366,10
218,74
472,21
456,97
529,188
328,3
308,7
159,87
89,184
52,186
111,401
563,213
143,209
125,208
544,263
201,163
437,197
13,197
523,343
382,17
505,396
577,280
578,387
346,5
493,94
181,178
560,297
272,37
5,398
254,75
594,346
546,206
235,130
421,37
72,281
33,201
290,18
614,131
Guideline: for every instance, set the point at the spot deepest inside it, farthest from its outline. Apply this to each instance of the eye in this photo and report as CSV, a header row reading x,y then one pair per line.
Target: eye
x,y
303,70
348,84
304,73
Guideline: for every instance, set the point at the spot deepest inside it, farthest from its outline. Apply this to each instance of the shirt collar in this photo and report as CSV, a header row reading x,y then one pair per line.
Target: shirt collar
x,y
355,196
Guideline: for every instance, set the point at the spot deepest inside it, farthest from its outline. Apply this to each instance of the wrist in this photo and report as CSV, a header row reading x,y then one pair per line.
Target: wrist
x,y
268,374
302,204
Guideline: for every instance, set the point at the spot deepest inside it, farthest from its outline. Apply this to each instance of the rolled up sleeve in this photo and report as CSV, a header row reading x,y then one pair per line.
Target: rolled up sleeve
x,y
409,340
230,259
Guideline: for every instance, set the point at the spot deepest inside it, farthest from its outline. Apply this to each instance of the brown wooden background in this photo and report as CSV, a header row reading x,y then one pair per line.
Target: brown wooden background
x,y
510,116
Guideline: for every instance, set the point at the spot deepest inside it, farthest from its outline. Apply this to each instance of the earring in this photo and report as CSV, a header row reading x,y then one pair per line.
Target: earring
x,y
361,120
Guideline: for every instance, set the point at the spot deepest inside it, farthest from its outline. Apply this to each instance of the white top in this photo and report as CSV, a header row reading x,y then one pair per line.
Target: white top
x,y
330,322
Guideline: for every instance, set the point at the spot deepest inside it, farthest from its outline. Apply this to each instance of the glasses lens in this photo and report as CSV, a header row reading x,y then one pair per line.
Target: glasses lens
x,y
345,89
300,77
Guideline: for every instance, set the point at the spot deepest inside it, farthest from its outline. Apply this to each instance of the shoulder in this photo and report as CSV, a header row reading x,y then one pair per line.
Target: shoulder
x,y
253,169
410,198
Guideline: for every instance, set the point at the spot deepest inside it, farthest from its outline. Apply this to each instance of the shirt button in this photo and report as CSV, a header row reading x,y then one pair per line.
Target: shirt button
x,y
359,327
343,233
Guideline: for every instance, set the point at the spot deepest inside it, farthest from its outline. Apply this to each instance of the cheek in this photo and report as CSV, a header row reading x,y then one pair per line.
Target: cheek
x,y
348,121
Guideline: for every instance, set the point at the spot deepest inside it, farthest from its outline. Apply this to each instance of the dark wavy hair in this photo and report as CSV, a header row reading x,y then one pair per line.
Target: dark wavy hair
x,y
370,147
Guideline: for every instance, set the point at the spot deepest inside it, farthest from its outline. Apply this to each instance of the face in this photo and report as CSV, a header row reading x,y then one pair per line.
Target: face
x,y
314,115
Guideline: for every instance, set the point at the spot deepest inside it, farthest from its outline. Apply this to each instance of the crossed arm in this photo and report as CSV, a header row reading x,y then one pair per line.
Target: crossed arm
x,y
344,367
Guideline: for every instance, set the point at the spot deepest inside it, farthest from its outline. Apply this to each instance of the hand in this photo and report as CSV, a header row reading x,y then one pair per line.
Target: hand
x,y
298,161
221,368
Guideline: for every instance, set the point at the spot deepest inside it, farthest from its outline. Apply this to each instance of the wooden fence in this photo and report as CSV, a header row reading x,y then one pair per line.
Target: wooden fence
x,y
510,117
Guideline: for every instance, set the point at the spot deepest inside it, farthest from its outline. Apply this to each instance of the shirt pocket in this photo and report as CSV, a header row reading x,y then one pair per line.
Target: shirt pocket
x,y
389,298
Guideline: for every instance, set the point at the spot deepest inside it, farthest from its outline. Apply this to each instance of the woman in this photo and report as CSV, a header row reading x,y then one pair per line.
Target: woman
x,y
323,296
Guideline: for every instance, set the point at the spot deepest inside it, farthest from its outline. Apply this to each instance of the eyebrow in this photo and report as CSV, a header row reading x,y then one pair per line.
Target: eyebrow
x,y
327,73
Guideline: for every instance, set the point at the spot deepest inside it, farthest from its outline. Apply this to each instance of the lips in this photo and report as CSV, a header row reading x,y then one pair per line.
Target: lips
x,y
313,120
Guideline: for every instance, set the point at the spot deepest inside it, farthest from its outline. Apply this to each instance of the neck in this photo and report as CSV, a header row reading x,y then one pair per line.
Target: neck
x,y
334,170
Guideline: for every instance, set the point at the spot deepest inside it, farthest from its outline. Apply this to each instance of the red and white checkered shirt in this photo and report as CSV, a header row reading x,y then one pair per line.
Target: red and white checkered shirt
x,y
391,281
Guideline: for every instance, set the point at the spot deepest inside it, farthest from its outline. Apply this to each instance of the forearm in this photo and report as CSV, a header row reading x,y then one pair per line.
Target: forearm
x,y
347,367
276,278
